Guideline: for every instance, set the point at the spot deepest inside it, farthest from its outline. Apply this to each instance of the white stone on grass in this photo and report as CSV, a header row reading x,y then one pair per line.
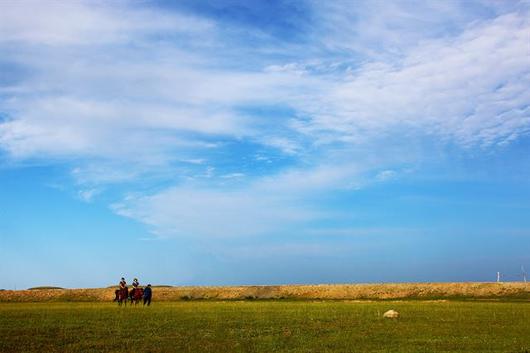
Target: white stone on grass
x,y
391,314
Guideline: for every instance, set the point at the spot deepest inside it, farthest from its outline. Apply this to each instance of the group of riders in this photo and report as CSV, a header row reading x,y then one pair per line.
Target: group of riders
x,y
135,295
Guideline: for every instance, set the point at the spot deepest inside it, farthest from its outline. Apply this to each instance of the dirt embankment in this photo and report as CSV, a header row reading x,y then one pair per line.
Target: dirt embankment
x,y
424,291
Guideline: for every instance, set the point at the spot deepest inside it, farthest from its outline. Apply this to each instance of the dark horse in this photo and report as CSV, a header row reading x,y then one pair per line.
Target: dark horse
x,y
136,295
121,295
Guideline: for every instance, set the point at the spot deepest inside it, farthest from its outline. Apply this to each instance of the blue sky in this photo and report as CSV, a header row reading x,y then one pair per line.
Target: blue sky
x,y
263,142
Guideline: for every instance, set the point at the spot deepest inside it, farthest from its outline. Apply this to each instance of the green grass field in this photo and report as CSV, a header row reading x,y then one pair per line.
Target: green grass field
x,y
266,326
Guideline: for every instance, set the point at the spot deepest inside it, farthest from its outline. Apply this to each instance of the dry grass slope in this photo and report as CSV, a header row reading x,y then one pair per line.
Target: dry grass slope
x,y
424,291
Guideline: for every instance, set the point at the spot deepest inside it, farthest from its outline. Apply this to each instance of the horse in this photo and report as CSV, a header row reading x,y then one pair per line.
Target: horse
x,y
121,295
136,295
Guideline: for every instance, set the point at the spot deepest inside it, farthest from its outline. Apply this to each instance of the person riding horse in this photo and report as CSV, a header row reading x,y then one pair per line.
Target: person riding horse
x,y
135,285
136,293
122,293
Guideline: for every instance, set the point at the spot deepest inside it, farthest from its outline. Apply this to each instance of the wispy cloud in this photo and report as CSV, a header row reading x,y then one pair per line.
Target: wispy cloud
x,y
386,175
124,97
267,205
468,89
88,195
85,23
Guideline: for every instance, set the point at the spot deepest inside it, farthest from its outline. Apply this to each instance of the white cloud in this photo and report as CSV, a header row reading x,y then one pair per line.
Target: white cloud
x,y
266,205
233,176
123,96
196,212
65,125
88,195
384,30
470,90
386,175
194,161
79,22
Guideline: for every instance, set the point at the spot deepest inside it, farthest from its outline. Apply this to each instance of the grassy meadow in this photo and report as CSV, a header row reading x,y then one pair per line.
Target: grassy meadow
x,y
266,326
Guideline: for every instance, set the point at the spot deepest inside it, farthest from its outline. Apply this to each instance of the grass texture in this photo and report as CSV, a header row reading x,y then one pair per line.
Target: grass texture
x,y
266,326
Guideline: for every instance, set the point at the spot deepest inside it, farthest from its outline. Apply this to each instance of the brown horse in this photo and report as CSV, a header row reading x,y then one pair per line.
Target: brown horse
x,y
136,295
121,295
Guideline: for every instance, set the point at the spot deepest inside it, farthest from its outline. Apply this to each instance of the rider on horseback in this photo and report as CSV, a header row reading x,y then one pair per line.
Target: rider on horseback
x,y
121,292
136,293
133,291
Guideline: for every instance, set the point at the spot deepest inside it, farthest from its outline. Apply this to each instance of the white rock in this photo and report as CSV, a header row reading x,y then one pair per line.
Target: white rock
x,y
391,314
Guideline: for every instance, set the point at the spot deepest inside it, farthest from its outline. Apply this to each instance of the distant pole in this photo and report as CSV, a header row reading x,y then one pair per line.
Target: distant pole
x,y
498,276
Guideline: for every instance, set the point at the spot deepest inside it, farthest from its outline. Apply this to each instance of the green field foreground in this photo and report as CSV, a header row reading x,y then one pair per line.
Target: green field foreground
x,y
266,326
